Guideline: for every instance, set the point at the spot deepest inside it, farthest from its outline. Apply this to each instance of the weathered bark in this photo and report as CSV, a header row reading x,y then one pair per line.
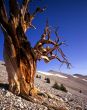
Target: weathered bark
x,y
18,53
20,70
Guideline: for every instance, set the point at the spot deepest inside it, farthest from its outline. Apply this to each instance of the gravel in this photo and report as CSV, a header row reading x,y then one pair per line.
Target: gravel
x,y
72,100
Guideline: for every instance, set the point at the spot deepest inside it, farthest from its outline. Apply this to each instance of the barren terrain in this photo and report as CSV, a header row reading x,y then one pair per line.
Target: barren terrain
x,y
52,99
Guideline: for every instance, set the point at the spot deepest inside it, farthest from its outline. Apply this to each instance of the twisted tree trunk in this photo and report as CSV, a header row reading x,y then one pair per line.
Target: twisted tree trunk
x,y
20,65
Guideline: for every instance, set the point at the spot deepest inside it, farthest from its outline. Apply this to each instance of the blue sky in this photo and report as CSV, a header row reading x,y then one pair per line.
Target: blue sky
x,y
71,18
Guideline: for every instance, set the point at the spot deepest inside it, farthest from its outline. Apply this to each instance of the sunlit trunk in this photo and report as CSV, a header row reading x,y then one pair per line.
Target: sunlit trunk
x,y
21,70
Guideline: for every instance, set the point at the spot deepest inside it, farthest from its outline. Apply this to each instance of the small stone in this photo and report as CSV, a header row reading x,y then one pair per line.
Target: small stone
x,y
19,99
8,94
85,107
3,108
70,99
21,105
3,90
69,93
61,99
78,107
65,99
50,95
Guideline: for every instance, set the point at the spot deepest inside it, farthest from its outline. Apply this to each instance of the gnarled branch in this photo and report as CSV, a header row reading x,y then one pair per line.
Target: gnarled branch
x,y
48,49
14,8
24,7
26,17
3,15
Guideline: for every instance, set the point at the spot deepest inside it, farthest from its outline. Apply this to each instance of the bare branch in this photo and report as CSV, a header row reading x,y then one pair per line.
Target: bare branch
x,y
3,9
7,27
26,17
14,9
43,49
24,7
3,14
57,37
39,10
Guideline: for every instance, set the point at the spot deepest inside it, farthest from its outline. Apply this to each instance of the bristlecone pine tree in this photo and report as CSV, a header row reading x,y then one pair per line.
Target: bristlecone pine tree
x,y
20,58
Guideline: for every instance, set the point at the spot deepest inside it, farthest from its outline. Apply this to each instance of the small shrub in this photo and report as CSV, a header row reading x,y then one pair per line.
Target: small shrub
x,y
63,88
56,86
80,91
47,80
59,87
38,76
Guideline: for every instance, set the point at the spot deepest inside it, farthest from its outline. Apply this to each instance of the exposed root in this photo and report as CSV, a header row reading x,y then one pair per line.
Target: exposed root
x,y
34,91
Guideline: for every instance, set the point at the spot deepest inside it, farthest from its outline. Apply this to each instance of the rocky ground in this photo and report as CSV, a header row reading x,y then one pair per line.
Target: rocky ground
x,y
51,99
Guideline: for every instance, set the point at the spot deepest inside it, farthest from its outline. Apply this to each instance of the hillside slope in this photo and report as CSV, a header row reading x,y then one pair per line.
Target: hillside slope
x,y
76,82
50,99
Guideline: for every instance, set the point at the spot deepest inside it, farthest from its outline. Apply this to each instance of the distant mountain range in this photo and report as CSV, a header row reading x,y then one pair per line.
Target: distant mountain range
x,y
75,82
81,76
75,75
